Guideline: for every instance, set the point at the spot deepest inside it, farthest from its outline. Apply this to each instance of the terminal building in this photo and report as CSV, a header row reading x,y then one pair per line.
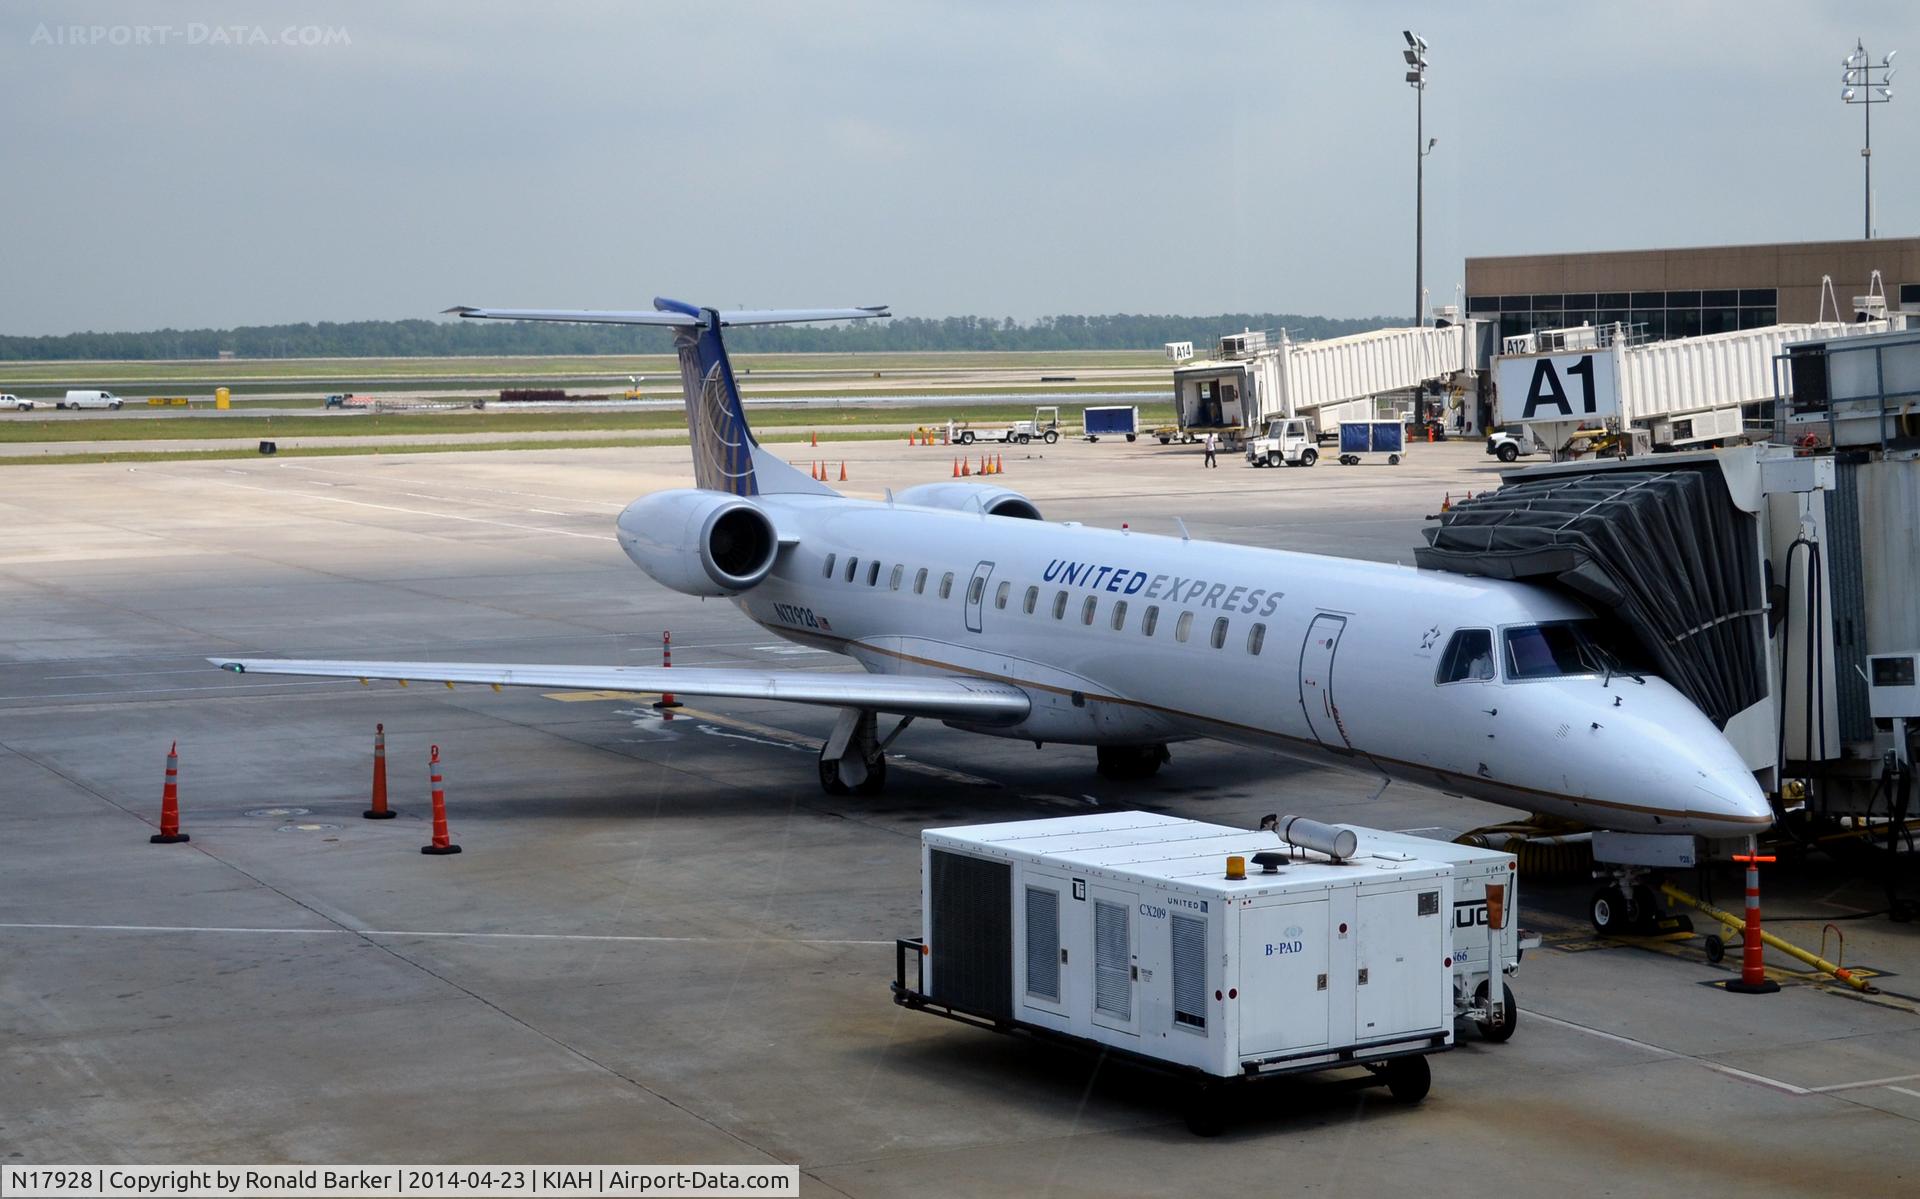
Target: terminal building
x,y
1664,294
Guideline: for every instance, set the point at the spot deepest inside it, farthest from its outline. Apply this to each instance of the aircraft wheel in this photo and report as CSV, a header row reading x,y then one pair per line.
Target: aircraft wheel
x,y
873,784
1503,1030
1130,761
1409,1078
1610,911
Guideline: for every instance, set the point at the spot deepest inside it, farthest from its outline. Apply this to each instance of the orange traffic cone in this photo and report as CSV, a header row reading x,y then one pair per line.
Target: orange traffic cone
x,y
965,471
843,470
956,468
999,464
442,843
379,810
1446,502
816,438
170,833
1753,978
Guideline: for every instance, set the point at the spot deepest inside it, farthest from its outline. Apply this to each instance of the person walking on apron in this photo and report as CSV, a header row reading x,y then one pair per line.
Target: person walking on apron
x,y
1213,445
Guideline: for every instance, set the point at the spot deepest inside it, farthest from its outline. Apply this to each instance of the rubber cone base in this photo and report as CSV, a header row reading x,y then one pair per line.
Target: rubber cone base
x,y
164,839
370,814
662,704
439,850
1765,986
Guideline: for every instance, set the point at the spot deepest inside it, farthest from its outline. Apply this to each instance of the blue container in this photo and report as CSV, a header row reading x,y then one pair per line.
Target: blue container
x,y
1372,437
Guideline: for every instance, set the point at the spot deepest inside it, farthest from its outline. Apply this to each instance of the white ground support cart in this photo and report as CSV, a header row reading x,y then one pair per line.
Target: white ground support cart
x,y
1487,937
1221,955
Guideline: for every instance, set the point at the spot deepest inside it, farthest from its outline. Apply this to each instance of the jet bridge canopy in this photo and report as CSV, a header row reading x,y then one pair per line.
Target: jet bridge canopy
x,y
1664,551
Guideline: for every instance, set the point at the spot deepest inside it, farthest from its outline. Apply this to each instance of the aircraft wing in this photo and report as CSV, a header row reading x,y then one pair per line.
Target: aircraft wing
x,y
975,701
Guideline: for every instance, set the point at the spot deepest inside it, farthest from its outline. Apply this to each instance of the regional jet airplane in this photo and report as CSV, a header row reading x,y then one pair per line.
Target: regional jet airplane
x,y
964,606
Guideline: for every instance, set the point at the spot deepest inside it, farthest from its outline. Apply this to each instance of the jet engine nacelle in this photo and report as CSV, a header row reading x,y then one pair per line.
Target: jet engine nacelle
x,y
971,497
699,542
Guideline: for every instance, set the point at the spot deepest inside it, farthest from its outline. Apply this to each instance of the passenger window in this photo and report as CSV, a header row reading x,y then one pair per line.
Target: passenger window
x,y
1119,615
893,584
828,572
1256,637
1183,626
946,585
853,568
1033,598
1220,633
1060,606
1469,657
873,574
1149,620
920,581
1086,609
1000,596
976,589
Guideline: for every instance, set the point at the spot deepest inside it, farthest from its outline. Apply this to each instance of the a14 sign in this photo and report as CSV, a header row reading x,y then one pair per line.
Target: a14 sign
x,y
1561,387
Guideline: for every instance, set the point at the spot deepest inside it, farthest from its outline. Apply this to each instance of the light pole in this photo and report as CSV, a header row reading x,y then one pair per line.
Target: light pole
x,y
1859,80
1416,56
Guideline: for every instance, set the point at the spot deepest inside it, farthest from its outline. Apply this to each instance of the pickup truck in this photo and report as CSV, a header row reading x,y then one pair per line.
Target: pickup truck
x,y
15,403
1511,441
1287,440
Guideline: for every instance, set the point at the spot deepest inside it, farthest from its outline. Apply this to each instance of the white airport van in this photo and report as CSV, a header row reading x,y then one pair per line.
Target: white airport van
x,y
90,399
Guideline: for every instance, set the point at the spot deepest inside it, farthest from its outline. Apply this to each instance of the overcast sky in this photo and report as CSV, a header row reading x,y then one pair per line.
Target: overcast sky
x,y
256,163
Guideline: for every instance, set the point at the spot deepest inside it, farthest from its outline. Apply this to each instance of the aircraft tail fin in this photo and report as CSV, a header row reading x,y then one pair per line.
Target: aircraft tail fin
x,y
726,457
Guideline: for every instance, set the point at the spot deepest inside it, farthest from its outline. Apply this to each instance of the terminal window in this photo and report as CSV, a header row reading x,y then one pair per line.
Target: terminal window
x,y
1659,315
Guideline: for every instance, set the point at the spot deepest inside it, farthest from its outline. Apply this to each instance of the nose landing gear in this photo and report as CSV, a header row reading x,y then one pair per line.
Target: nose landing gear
x,y
1628,905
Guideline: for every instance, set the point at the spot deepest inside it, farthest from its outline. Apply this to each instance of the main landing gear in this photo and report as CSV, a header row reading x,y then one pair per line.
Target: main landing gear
x,y
854,759
1123,762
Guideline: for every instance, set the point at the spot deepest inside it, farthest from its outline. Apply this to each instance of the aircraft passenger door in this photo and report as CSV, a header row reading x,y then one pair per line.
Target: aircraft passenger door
x,y
1316,682
977,594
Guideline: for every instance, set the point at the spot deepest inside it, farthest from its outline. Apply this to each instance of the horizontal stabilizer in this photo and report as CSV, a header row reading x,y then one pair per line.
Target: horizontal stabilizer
x,y
972,701
678,316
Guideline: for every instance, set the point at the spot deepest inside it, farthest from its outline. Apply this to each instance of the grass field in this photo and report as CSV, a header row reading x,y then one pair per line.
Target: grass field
x,y
345,371
455,421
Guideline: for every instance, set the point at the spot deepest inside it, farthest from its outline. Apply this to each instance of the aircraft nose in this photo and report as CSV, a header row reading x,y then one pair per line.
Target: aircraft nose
x,y
1731,804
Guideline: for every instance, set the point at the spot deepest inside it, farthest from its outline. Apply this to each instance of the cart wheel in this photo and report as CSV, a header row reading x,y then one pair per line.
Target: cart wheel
x,y
1309,456
1408,1078
1503,1030
1716,949
1163,440
1131,436
1052,435
1507,453
1273,457
1393,459
1206,1113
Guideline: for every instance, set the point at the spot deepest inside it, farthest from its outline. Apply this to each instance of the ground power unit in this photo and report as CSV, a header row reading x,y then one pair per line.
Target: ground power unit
x,y
1225,955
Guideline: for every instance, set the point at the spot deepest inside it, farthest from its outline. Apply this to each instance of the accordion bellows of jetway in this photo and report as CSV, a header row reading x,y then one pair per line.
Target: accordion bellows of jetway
x,y
1664,551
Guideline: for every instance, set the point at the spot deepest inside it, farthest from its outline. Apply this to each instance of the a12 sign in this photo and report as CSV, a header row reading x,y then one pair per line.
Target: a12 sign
x,y
1561,387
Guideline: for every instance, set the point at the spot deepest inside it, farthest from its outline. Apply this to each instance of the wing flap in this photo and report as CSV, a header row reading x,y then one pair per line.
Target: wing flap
x,y
976,701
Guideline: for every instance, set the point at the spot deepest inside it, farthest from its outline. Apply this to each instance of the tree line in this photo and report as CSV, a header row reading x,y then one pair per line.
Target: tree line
x,y
452,339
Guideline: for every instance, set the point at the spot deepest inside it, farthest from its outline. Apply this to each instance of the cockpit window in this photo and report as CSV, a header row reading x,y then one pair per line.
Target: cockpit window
x,y
1550,651
1469,657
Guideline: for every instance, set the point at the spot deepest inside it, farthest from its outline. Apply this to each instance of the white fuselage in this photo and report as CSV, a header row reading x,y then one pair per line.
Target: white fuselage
x,y
1344,673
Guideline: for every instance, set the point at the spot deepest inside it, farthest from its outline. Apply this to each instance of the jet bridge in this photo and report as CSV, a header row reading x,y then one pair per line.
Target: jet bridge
x,y
1689,391
1253,378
